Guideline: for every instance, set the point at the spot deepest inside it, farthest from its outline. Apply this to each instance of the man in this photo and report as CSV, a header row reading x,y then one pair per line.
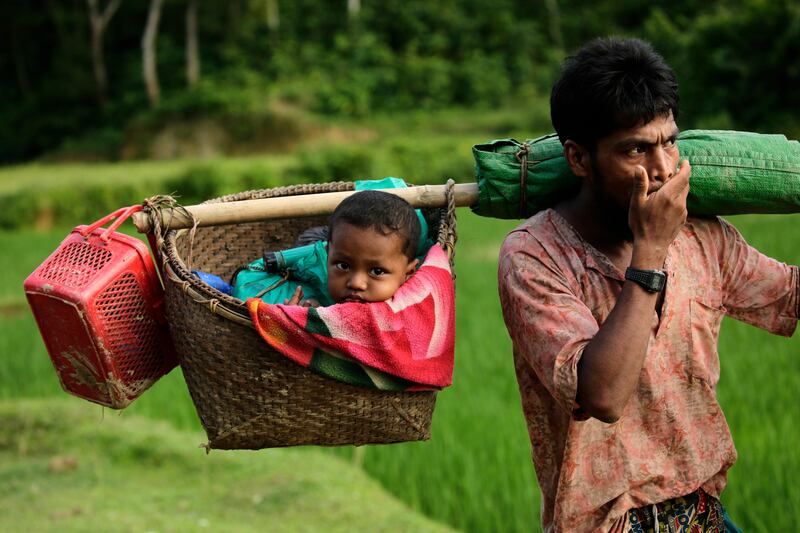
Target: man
x,y
613,300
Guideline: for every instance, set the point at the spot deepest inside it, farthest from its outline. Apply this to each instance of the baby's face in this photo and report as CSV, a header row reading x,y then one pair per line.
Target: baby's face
x,y
365,265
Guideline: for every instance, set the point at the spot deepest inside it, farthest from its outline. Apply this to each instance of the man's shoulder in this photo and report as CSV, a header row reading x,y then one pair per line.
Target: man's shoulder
x,y
537,230
707,221
540,240
708,227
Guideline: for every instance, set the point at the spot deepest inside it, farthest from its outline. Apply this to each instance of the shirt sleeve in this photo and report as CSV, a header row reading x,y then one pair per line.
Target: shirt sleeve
x,y
548,323
757,289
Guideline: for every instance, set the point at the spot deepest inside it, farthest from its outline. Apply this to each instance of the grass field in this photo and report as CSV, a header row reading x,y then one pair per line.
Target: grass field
x,y
476,474
63,469
418,146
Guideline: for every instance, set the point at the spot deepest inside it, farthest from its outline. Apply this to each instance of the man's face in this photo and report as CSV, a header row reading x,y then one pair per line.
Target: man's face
x,y
613,165
365,265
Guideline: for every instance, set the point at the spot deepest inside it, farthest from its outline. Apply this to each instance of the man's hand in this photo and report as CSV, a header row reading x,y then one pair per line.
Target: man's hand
x,y
656,218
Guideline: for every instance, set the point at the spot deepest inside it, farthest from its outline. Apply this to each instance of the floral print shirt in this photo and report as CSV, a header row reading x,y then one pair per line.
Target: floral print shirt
x,y
556,290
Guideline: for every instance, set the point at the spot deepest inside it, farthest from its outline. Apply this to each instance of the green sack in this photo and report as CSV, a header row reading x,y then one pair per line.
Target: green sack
x,y
733,172
308,269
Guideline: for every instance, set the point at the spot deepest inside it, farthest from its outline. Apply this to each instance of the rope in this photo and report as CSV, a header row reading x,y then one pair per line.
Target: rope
x,y
151,206
284,279
154,207
522,157
450,235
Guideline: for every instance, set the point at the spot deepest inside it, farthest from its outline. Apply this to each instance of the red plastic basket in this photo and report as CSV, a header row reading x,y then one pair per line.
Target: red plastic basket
x,y
98,303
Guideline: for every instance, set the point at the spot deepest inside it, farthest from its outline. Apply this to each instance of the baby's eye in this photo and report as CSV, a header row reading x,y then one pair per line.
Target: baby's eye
x,y
377,271
341,265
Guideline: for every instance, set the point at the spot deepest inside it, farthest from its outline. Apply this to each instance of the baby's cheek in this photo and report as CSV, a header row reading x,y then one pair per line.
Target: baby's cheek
x,y
333,289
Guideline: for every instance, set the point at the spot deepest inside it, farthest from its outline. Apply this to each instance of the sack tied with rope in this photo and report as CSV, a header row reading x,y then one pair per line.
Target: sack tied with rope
x,y
733,172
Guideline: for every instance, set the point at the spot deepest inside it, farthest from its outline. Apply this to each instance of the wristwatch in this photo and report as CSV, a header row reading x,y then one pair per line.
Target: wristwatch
x,y
650,280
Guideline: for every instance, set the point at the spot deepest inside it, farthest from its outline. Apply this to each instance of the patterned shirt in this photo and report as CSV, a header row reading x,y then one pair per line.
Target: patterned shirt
x,y
672,438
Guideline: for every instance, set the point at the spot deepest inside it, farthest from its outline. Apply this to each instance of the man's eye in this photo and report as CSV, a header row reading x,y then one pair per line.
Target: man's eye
x,y
671,143
636,150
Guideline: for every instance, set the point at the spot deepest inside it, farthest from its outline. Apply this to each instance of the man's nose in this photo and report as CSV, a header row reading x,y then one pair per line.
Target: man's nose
x,y
662,166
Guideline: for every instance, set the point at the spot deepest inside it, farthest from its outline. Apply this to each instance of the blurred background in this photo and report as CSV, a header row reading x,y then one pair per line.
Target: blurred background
x,y
117,80
106,102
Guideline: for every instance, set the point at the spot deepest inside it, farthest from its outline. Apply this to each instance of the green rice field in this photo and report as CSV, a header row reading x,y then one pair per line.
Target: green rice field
x,y
475,474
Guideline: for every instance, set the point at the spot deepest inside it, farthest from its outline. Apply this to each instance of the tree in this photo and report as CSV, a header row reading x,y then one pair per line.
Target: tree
x,y
353,8
149,52
192,48
554,24
354,18
20,67
99,22
273,21
273,16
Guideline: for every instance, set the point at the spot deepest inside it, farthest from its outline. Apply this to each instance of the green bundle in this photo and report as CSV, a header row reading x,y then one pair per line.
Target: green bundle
x,y
733,172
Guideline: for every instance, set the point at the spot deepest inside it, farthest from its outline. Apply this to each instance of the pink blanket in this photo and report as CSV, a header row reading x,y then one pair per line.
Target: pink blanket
x,y
411,336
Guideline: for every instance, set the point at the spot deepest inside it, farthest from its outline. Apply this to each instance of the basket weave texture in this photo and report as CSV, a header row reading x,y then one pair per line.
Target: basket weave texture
x,y
247,395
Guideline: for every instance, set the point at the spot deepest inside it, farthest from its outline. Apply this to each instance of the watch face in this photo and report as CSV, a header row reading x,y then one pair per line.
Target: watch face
x,y
658,281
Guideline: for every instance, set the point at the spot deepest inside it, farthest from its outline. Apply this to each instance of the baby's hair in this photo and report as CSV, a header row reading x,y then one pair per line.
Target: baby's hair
x,y
381,211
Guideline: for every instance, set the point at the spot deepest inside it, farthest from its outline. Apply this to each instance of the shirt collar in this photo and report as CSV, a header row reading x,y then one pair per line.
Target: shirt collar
x,y
592,258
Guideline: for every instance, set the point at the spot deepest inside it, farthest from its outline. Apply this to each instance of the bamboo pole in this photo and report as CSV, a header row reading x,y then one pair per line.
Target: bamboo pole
x,y
304,205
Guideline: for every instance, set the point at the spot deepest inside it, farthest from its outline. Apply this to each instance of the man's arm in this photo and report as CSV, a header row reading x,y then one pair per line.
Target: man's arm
x,y
609,368
756,289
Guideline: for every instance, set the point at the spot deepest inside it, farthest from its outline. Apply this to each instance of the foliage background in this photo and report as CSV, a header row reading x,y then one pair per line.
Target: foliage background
x,y
737,61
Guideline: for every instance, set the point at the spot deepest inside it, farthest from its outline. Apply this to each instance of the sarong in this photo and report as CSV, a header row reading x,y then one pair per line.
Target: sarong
x,y
694,513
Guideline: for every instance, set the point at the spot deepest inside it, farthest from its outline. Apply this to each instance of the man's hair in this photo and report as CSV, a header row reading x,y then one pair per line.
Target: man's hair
x,y
383,212
611,84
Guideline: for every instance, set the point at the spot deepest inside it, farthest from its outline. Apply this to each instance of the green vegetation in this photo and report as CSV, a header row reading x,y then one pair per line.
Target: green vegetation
x,y
475,473
256,57
65,466
402,146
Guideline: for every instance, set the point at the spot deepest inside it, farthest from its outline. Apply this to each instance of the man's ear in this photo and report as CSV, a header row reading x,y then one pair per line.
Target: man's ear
x,y
578,159
411,268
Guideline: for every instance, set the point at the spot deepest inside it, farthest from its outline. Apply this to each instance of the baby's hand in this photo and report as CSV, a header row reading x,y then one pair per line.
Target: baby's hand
x,y
296,297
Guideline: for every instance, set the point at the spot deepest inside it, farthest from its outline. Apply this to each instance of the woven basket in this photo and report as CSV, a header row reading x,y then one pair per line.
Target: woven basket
x,y
247,395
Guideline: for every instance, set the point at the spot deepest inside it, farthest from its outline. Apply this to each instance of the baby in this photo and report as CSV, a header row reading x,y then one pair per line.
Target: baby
x,y
372,245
